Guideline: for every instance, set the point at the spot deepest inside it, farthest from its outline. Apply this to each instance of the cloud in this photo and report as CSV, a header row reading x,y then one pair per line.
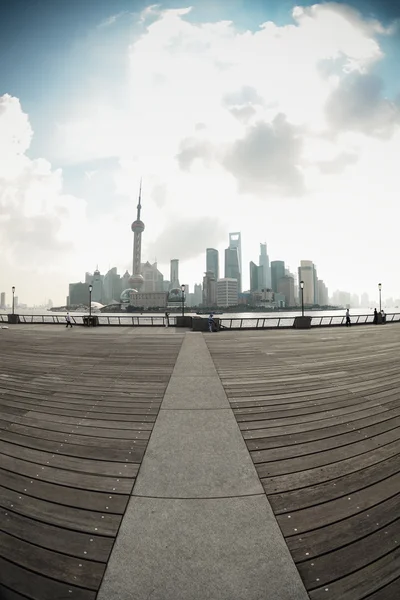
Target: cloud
x,y
187,239
40,224
267,158
192,149
358,104
338,164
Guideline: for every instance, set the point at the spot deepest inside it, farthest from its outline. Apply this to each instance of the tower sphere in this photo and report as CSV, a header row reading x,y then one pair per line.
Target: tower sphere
x,y
137,226
136,281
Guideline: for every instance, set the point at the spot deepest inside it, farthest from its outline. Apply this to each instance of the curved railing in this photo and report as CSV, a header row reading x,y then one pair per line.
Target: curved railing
x,y
117,320
226,322
316,321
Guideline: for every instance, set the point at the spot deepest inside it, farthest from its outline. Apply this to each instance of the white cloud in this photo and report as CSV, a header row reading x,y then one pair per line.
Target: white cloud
x,y
203,124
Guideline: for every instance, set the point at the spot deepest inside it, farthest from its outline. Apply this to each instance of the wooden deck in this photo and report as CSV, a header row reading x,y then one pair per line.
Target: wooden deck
x,y
320,414
77,408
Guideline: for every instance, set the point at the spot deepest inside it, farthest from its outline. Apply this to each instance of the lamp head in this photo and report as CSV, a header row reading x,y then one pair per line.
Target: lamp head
x,y
380,286
90,288
13,288
183,287
302,284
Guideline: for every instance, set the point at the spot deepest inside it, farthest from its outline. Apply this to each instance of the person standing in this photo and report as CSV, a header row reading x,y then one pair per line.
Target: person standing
x,y
348,321
211,323
68,319
375,316
167,319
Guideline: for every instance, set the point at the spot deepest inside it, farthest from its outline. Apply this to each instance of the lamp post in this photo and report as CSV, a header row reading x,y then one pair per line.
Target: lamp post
x,y
13,292
302,297
90,300
183,299
380,296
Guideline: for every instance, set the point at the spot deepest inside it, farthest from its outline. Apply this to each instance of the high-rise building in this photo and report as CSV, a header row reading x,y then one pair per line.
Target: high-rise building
x,y
232,269
16,302
174,275
112,286
153,278
307,274
340,298
209,289
197,294
136,281
266,269
256,277
364,300
227,292
286,289
235,243
78,293
316,288
323,297
3,300
277,272
212,262
97,283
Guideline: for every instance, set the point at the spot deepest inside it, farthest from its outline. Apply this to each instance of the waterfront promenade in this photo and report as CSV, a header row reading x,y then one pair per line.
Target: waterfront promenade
x,y
159,464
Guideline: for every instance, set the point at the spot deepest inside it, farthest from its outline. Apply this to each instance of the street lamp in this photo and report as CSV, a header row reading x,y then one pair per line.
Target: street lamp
x,y
90,300
13,292
380,296
183,299
302,297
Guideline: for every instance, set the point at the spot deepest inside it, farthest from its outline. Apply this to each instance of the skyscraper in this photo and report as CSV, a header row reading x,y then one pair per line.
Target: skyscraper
x,y
209,289
212,262
232,270
277,272
174,276
227,292
307,274
136,281
265,283
235,242
256,277
153,278
3,300
286,287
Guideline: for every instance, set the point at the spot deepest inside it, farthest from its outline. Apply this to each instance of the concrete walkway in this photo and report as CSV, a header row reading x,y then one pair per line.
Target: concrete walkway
x,y
198,525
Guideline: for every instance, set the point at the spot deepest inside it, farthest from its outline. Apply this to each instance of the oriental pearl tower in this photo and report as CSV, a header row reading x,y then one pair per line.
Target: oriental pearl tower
x,y
136,281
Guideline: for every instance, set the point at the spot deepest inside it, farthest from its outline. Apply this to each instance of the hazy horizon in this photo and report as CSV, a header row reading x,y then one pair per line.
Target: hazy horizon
x,y
280,120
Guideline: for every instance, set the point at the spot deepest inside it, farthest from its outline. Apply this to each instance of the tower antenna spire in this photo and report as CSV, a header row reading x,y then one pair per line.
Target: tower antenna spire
x,y
139,206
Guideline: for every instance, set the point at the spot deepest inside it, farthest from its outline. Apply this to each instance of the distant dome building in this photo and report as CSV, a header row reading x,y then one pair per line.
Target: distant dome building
x,y
125,297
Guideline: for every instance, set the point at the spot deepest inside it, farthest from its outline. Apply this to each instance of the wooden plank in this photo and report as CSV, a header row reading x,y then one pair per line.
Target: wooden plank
x,y
59,494
358,585
342,486
65,541
37,587
118,484
61,567
351,558
76,416
100,523
320,414
321,541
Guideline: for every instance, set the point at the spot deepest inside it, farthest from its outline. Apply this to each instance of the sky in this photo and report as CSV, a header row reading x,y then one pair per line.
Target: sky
x,y
277,119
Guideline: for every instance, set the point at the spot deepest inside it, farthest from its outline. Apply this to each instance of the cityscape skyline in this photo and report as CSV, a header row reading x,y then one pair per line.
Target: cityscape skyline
x,y
298,150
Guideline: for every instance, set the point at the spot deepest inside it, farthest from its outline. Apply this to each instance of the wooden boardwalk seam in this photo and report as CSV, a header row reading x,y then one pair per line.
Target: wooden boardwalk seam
x,y
320,414
76,412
